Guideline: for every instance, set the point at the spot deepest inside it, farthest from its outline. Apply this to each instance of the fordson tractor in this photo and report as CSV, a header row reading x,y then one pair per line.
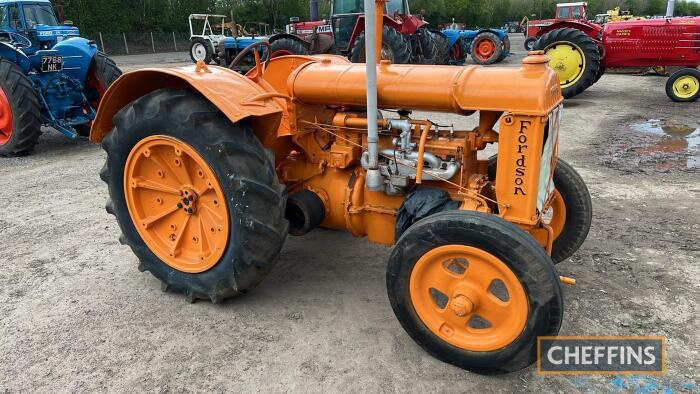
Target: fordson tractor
x,y
48,76
405,37
581,51
209,170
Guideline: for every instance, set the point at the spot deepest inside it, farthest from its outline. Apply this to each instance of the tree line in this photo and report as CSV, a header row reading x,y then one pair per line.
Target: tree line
x,y
112,16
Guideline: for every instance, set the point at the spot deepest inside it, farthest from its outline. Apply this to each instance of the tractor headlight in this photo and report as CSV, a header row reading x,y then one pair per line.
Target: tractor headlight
x,y
549,156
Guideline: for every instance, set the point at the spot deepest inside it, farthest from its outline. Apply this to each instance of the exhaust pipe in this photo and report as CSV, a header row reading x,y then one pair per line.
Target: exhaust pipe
x,y
374,180
670,8
305,211
313,4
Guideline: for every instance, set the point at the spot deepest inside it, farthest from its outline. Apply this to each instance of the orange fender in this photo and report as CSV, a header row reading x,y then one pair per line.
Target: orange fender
x,y
234,94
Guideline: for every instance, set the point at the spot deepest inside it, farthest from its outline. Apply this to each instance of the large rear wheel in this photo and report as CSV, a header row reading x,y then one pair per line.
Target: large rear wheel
x,y
196,197
288,46
20,113
102,74
474,290
442,45
394,47
200,49
574,56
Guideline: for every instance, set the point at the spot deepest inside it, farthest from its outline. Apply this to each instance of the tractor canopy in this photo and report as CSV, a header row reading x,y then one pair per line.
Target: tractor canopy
x,y
35,20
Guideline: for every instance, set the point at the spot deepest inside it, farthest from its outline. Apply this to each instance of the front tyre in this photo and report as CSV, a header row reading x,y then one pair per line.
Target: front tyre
x,y
200,49
196,197
684,85
20,113
474,290
530,43
486,48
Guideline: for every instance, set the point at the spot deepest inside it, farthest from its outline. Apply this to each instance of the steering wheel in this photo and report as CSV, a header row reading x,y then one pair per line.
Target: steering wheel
x,y
260,68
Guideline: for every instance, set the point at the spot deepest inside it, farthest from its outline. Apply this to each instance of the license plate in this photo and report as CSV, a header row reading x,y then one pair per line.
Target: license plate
x,y
51,64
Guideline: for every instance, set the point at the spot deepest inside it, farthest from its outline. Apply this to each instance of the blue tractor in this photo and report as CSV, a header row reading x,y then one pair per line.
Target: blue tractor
x,y
486,46
48,76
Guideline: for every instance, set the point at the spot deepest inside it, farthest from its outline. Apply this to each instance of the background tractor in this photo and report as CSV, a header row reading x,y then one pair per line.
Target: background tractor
x,y
565,12
486,46
220,41
48,76
405,36
581,51
208,171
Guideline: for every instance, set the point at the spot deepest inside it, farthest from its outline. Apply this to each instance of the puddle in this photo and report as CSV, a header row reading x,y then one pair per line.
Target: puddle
x,y
677,147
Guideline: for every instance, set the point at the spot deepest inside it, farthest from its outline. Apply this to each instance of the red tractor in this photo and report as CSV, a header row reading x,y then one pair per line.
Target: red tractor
x,y
564,12
405,38
580,51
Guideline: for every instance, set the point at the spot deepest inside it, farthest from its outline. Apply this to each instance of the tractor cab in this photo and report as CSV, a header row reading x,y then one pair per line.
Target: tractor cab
x,y
571,10
36,21
345,14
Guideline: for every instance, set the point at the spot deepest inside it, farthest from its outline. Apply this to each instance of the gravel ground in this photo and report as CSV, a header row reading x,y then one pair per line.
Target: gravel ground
x,y
76,314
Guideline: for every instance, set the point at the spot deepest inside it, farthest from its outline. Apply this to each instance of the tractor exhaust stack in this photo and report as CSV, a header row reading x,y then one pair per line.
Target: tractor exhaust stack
x,y
313,4
670,8
375,181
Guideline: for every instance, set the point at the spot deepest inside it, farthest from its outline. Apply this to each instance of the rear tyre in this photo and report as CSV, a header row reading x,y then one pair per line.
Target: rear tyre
x,y
486,48
20,113
428,47
102,74
574,56
474,290
442,45
171,151
200,49
394,47
459,52
530,43
684,85
571,212
288,46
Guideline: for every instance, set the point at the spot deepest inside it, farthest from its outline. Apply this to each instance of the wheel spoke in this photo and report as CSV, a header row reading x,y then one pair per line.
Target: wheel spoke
x,y
440,279
178,238
155,186
216,218
481,273
493,310
204,245
150,220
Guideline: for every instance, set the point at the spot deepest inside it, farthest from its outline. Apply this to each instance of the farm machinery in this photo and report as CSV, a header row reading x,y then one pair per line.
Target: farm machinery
x,y
213,43
486,46
565,12
48,76
209,170
405,36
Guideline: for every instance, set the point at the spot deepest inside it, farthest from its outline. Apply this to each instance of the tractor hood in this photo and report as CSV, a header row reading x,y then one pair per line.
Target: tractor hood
x,y
56,33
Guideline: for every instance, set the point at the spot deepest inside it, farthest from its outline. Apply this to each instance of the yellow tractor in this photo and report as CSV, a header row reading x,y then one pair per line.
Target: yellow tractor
x,y
208,172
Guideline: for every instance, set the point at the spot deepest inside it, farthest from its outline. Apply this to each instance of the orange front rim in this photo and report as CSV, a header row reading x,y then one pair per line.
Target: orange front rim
x,y
469,298
6,125
176,203
556,216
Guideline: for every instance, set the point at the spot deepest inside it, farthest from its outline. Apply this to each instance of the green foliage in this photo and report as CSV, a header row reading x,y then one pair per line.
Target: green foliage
x,y
113,16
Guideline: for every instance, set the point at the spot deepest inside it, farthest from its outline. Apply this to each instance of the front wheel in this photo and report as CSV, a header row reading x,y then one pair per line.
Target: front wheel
x,y
530,43
102,74
474,291
196,197
684,85
486,48
571,212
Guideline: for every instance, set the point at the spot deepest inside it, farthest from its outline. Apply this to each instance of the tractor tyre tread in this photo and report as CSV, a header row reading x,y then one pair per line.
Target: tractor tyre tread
x,y
290,45
392,38
674,77
245,170
428,46
26,111
442,44
590,50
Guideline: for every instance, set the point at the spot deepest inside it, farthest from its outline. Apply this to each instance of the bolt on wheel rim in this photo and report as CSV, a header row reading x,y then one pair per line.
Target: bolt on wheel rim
x,y
468,297
6,126
686,87
176,203
568,61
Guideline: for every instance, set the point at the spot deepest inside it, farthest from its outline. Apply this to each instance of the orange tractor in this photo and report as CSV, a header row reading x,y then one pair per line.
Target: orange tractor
x,y
208,171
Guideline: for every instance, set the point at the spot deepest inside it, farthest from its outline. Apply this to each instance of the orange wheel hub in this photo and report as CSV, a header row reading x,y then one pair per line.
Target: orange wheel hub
x,y
485,49
469,298
176,203
556,216
6,125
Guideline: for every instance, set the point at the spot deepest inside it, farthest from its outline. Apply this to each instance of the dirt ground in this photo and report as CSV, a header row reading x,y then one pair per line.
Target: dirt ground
x,y
76,315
